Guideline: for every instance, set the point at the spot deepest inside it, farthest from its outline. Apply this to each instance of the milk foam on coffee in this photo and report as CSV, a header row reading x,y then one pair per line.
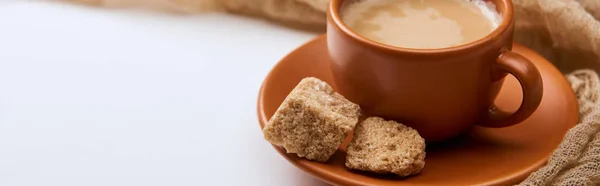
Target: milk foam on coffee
x,y
423,24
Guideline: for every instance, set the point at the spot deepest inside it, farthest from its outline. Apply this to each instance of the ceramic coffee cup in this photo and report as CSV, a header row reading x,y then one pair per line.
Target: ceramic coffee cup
x,y
439,92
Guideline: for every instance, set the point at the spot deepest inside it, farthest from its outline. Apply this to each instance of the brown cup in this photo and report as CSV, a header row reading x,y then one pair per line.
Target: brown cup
x,y
439,92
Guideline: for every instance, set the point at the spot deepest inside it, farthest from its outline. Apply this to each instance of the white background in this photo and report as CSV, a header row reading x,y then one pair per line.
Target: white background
x,y
103,97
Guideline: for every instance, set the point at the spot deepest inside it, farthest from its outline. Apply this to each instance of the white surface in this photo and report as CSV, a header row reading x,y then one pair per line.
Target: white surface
x,y
96,97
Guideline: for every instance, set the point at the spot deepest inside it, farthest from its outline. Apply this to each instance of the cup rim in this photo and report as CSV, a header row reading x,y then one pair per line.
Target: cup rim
x,y
507,19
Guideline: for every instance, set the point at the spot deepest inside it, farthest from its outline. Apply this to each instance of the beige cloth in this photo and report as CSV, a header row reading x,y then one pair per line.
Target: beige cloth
x,y
567,32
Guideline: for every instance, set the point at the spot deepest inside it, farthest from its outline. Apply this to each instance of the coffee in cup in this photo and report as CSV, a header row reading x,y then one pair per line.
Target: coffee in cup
x,y
405,63
421,23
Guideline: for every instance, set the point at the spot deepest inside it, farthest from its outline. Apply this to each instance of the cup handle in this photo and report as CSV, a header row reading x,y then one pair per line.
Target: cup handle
x,y
531,82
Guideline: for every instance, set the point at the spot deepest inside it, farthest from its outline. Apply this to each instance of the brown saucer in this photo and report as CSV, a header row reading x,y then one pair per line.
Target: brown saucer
x,y
483,156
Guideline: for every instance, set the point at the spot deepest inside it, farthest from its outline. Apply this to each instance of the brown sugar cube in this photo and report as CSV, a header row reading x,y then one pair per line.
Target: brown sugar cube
x,y
386,147
312,121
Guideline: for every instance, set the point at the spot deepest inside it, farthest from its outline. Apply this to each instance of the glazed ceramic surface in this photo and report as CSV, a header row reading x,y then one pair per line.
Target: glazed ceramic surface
x,y
481,156
439,92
